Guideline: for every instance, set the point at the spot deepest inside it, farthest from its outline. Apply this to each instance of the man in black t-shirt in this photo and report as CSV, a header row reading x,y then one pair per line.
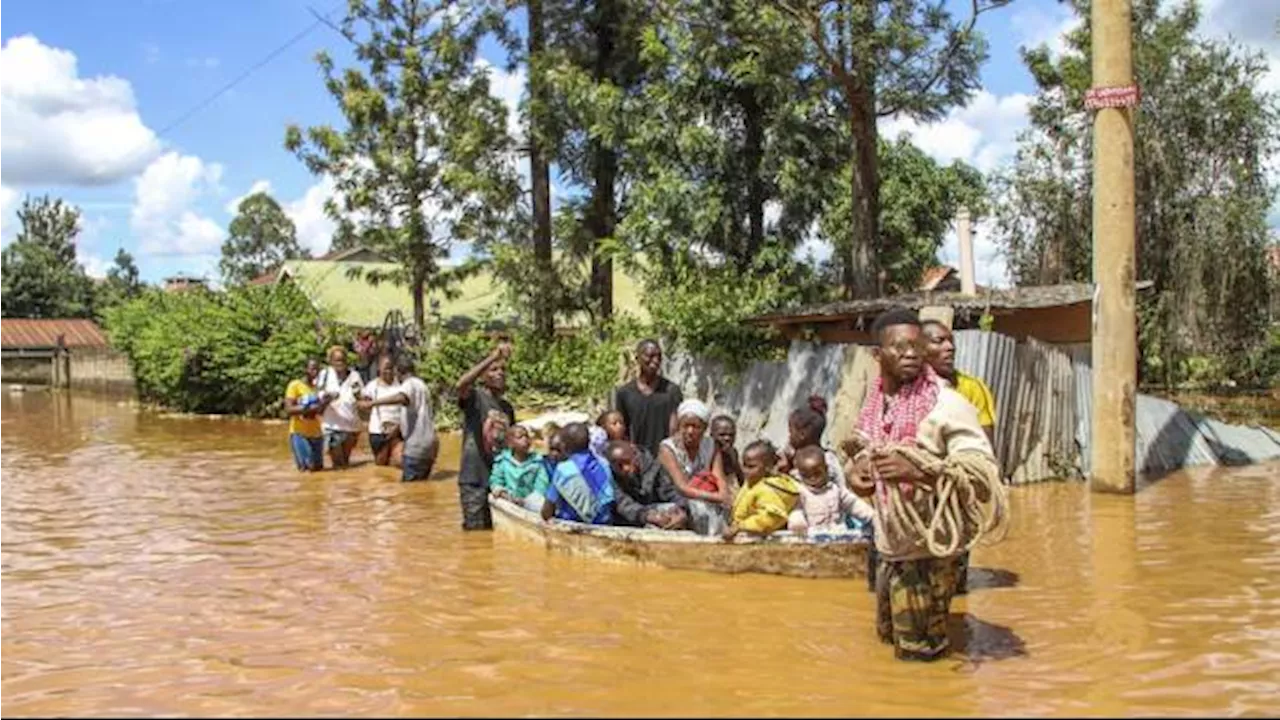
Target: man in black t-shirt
x,y
648,403
485,413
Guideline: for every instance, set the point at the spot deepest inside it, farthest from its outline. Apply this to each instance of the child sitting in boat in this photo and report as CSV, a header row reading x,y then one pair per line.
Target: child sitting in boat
x,y
613,424
804,429
519,474
767,498
824,506
555,449
581,490
724,431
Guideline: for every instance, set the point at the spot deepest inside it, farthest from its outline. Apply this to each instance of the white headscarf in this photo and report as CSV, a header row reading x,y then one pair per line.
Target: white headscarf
x,y
696,408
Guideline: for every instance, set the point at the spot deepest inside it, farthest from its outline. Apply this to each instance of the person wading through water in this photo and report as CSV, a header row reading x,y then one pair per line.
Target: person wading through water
x,y
486,414
648,403
915,437
940,353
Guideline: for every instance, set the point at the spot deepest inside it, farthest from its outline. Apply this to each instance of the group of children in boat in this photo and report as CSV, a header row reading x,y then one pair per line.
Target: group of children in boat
x,y
695,479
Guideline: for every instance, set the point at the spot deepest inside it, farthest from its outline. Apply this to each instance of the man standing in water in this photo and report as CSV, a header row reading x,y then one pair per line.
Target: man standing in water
x,y
940,353
910,414
648,403
485,415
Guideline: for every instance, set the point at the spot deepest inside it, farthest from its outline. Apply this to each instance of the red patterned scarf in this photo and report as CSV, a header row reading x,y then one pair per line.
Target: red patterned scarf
x,y
899,423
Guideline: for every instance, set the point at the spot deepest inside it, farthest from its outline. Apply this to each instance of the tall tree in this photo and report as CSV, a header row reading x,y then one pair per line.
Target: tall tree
x,y
424,160
919,199
260,238
121,283
41,277
888,57
1205,131
540,172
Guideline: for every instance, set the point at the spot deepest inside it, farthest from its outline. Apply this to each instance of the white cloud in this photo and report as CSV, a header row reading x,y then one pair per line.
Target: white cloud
x,y
8,205
151,53
508,87
94,266
261,186
162,218
1045,24
1256,23
60,129
315,228
990,266
207,63
984,133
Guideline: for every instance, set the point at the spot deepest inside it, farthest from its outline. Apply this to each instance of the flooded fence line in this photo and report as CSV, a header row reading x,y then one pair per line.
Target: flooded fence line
x,y
1043,402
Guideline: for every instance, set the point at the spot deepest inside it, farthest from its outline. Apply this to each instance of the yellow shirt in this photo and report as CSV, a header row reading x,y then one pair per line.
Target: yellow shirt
x,y
979,396
304,426
763,507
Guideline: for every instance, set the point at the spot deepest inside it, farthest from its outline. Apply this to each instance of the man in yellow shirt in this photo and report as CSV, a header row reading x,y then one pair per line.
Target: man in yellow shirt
x,y
940,353
304,403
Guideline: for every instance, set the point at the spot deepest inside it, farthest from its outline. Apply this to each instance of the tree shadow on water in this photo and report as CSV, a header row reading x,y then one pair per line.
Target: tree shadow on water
x,y
976,641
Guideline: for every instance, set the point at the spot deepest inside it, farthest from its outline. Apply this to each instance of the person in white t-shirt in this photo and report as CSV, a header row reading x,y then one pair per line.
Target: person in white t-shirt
x,y
341,419
386,411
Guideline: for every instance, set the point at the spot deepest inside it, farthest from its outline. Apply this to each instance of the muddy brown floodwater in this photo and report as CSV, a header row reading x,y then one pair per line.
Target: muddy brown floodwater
x,y
167,566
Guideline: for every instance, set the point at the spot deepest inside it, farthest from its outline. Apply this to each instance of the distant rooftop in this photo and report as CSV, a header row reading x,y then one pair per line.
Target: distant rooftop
x,y
26,333
1021,298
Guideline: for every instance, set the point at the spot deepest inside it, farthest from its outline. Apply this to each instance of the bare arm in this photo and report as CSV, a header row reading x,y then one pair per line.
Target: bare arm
x,y
463,387
680,479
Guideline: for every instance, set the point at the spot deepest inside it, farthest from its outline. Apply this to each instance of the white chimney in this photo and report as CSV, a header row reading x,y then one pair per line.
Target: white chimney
x,y
965,234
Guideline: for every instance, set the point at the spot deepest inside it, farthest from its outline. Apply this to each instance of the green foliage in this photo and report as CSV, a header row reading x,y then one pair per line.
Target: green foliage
x,y
423,159
41,277
702,305
122,283
260,238
568,371
207,352
910,58
1203,133
918,202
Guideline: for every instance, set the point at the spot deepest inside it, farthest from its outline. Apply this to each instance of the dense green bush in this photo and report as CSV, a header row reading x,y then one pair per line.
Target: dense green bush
x,y
208,352
575,371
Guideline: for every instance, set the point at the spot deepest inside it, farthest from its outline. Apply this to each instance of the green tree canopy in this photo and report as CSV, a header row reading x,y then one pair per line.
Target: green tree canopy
x,y
1203,134
424,159
41,277
260,238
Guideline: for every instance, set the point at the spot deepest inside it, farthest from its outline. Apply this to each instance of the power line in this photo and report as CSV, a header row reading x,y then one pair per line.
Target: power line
x,y
320,19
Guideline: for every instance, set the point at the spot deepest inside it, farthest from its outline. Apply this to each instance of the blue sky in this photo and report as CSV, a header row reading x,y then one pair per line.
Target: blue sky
x,y
90,88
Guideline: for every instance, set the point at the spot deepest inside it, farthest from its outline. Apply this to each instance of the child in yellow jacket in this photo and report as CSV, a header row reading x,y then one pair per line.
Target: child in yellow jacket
x,y
767,498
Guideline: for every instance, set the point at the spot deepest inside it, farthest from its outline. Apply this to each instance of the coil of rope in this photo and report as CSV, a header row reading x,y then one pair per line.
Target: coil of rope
x,y
957,520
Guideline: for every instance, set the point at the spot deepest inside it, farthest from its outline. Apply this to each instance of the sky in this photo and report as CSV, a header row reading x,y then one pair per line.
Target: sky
x,y
114,106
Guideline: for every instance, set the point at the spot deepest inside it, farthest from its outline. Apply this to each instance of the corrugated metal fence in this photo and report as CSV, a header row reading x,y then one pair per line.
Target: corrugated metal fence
x,y
1043,405
1044,400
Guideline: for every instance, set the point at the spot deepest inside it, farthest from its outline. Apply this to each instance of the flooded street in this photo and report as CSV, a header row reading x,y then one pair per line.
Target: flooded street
x,y
170,566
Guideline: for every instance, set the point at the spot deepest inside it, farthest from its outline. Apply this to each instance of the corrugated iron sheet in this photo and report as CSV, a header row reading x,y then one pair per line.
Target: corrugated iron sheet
x,y
23,333
1043,393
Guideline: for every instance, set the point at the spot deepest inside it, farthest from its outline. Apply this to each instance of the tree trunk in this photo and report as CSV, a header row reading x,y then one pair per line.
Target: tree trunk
x,y
540,175
419,311
861,278
604,169
862,274
753,120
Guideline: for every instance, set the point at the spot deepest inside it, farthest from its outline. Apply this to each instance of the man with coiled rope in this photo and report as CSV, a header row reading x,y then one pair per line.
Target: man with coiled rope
x,y
921,456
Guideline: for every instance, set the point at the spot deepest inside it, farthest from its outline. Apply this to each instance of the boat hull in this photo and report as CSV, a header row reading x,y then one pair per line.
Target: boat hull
x,y
779,554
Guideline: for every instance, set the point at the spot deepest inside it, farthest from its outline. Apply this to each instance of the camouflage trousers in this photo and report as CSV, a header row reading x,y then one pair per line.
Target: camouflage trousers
x,y
913,598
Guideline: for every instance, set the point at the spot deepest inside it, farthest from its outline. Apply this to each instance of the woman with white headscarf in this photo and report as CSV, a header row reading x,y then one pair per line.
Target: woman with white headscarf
x,y
690,459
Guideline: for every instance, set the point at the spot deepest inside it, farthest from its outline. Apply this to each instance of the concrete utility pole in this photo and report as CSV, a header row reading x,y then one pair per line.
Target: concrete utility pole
x,y
1115,326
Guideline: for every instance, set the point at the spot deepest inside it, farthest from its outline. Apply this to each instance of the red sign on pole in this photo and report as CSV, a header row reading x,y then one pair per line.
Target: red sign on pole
x,y
1111,97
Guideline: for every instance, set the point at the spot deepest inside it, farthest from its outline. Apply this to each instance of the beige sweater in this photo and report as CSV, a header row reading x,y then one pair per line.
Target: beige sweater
x,y
949,432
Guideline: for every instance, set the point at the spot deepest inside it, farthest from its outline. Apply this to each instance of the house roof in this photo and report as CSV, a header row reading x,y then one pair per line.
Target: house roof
x,y
934,275
24,333
996,300
356,302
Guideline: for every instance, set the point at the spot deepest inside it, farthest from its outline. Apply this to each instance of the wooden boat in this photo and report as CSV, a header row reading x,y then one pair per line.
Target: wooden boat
x,y
825,556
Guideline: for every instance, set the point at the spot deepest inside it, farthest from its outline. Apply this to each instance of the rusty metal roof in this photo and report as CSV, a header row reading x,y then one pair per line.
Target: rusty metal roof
x,y
23,333
934,275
